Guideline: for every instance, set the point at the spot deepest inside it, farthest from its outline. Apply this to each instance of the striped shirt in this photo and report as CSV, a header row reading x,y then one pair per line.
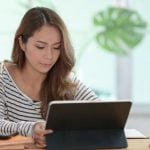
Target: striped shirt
x,y
18,112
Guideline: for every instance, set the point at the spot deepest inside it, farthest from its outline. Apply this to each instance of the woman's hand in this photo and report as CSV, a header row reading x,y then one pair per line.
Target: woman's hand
x,y
39,133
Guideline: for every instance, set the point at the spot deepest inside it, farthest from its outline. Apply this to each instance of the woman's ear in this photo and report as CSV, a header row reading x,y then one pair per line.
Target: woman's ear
x,y
22,45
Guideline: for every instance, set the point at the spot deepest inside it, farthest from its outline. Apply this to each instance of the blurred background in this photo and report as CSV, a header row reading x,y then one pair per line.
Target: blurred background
x,y
111,39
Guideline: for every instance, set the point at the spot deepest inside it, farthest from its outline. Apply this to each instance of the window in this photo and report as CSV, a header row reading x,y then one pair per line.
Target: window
x,y
96,67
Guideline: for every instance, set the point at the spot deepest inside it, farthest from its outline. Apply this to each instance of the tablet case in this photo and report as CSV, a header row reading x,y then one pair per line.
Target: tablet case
x,y
87,126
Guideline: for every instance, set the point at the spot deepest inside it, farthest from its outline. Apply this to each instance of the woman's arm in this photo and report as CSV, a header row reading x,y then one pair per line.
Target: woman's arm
x,y
83,92
8,127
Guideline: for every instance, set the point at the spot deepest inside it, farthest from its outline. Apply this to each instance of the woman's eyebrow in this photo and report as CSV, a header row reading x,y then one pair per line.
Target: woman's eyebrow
x,y
57,43
41,42
47,43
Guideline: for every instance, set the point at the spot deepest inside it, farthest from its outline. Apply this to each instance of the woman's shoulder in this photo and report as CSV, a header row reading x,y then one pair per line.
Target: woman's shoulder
x,y
6,63
6,67
1,67
73,77
9,65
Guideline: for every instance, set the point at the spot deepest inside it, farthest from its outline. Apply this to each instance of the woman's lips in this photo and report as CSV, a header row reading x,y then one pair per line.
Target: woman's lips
x,y
46,65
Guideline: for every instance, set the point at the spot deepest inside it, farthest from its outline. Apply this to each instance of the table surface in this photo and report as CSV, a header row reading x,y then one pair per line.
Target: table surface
x,y
26,143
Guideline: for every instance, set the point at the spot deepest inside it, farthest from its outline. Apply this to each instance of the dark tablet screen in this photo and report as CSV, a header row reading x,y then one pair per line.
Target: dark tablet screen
x,y
83,115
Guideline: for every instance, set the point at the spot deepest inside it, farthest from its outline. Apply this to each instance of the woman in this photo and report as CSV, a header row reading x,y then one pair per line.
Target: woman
x,y
40,71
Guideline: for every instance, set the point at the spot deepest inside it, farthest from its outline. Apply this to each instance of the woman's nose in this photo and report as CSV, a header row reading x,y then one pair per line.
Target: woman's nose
x,y
49,53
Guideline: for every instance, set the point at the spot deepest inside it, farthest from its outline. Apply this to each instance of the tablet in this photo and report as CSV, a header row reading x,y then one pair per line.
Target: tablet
x,y
82,119
74,115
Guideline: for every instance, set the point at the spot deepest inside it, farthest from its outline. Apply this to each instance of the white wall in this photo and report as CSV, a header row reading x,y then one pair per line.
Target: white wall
x,y
139,122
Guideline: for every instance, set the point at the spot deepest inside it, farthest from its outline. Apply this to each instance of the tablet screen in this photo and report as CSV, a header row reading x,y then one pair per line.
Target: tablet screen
x,y
83,115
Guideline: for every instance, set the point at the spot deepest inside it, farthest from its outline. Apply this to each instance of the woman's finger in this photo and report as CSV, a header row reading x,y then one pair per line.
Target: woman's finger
x,y
45,132
40,141
40,145
42,138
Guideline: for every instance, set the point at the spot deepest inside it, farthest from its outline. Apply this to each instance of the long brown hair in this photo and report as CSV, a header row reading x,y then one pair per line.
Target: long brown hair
x,y
57,85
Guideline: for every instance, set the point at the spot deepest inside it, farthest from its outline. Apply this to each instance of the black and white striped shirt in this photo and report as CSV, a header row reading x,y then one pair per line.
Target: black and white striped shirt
x,y
18,112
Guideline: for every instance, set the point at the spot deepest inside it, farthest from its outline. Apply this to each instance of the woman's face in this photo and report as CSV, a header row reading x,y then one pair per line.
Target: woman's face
x,y
42,50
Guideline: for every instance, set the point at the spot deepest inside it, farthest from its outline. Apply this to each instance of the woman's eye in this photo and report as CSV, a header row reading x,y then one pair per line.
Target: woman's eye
x,y
57,48
40,47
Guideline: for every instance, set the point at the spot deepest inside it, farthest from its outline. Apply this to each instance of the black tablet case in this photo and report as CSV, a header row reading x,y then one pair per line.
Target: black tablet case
x,y
87,126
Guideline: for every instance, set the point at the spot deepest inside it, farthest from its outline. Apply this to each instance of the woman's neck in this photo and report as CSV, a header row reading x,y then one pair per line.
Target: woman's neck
x,y
32,77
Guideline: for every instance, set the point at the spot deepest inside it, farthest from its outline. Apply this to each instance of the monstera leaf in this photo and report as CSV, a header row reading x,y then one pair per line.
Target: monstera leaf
x,y
119,29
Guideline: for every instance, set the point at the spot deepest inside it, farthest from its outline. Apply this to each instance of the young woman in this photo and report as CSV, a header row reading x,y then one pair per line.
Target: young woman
x,y
40,71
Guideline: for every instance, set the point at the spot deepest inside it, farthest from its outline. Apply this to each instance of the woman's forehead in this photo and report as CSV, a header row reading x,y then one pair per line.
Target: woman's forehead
x,y
47,34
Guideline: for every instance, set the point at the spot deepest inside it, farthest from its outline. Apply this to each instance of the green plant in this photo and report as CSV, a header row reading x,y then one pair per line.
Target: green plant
x,y
119,29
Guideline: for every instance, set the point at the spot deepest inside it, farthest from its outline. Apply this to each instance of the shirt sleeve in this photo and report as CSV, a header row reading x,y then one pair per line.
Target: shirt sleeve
x,y
83,92
8,127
